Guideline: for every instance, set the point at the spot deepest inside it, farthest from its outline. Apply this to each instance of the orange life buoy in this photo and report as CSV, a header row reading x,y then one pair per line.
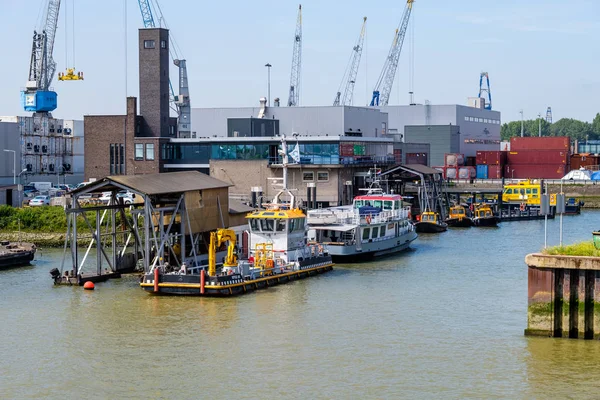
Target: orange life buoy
x,y
418,218
368,219
522,207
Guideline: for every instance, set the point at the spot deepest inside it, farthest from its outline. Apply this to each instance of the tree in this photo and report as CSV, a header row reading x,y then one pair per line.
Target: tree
x,y
596,125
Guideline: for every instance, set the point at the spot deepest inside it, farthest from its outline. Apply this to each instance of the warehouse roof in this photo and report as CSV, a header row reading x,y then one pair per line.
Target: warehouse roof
x,y
153,184
413,168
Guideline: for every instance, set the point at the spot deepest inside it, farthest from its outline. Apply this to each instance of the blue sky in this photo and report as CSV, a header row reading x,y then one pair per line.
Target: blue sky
x,y
538,53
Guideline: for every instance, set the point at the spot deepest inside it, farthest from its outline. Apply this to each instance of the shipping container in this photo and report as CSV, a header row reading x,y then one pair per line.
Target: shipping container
x,y
539,171
482,171
451,173
495,171
535,157
347,149
540,143
467,173
454,159
491,157
583,160
359,149
470,161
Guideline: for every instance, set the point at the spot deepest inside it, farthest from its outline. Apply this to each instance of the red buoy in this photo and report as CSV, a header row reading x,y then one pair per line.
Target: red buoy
x,y
89,285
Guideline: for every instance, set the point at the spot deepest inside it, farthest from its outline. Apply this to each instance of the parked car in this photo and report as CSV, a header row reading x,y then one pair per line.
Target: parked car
x,y
126,196
40,201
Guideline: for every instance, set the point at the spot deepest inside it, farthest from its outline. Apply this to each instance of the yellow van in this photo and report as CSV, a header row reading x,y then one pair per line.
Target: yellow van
x,y
527,191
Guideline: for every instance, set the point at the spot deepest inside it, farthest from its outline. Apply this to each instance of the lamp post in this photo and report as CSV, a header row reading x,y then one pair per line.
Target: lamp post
x,y
14,164
20,187
521,112
268,83
540,124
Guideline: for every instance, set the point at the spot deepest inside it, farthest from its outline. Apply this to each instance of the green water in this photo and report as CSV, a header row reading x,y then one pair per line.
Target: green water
x,y
445,320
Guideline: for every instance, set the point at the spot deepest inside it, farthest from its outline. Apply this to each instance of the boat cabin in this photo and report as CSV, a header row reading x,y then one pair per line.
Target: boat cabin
x,y
457,212
429,216
483,212
384,202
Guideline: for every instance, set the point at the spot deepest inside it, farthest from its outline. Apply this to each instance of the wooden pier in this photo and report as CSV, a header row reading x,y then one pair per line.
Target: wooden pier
x,y
561,296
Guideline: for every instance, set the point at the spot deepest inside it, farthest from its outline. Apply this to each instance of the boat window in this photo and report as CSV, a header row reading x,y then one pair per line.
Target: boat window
x,y
299,224
528,191
366,233
397,204
375,232
358,203
382,232
388,205
291,225
508,191
280,225
378,204
254,225
535,191
460,211
266,225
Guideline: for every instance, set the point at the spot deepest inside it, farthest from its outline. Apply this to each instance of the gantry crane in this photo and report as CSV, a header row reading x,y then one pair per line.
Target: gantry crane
x,y
485,89
37,96
383,88
351,72
294,96
181,101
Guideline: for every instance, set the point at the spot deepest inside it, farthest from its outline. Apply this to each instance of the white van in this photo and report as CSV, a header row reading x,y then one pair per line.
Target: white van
x,y
39,186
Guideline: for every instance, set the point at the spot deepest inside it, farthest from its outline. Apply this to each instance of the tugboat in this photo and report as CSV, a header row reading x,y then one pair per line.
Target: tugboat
x,y
375,224
281,254
458,217
484,216
16,254
430,222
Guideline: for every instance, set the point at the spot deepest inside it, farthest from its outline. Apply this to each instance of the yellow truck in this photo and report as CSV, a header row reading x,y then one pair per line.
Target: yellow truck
x,y
527,191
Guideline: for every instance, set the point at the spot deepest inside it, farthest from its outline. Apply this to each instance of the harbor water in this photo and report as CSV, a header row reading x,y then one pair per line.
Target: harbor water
x,y
444,320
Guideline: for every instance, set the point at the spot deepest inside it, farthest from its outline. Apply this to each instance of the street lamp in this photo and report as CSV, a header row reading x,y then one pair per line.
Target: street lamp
x,y
268,83
20,188
540,124
14,164
521,112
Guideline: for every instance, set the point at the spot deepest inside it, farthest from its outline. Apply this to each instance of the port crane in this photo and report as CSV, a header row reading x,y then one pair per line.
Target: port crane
x,y
217,239
181,101
484,87
345,98
294,96
383,88
38,96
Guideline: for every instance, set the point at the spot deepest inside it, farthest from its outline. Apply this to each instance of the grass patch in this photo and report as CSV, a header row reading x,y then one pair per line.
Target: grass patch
x,y
577,249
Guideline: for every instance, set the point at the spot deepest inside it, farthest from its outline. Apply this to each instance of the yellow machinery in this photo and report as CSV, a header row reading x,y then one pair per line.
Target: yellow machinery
x,y
70,75
264,257
216,240
527,191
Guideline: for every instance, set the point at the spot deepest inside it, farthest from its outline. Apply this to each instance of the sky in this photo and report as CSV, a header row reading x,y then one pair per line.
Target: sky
x,y
538,53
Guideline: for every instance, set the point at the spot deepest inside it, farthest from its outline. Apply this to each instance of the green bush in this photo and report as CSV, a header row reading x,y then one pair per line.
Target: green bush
x,y
577,249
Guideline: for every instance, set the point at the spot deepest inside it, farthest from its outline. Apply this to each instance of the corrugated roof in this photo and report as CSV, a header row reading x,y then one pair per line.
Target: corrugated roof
x,y
422,169
153,184
237,207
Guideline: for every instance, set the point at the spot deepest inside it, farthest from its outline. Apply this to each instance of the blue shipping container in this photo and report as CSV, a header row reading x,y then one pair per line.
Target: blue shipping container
x,y
482,172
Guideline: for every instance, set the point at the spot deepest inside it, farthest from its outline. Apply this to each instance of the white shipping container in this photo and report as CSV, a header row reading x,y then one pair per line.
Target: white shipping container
x,y
455,159
451,173
467,173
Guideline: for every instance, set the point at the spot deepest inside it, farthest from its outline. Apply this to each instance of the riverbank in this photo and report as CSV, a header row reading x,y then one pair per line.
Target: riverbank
x,y
40,239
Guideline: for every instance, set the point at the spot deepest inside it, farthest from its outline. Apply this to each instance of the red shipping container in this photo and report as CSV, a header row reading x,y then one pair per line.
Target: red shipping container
x,y
583,160
540,143
491,157
495,171
534,157
416,158
539,171
347,149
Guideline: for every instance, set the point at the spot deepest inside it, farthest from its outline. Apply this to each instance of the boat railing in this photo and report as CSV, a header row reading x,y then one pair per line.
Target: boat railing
x,y
351,216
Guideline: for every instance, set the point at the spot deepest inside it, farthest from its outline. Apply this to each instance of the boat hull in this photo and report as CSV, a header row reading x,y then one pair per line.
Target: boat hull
x,y
486,221
428,227
17,259
463,222
190,285
369,250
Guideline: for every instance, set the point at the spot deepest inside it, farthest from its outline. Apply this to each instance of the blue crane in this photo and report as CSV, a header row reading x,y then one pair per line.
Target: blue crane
x,y
181,101
294,95
37,96
485,89
383,88
349,79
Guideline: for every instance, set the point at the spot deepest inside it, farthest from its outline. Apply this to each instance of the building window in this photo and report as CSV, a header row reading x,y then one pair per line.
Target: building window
x,y
466,118
139,151
323,176
112,159
163,44
308,176
149,151
148,44
122,160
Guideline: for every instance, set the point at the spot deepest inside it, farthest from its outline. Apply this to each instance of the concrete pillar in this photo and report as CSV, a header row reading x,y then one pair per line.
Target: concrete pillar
x,y
348,187
314,195
559,277
309,196
590,282
574,304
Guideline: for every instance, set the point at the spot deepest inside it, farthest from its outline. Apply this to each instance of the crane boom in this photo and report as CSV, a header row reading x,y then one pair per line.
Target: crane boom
x,y
383,88
485,89
37,96
216,240
294,96
352,71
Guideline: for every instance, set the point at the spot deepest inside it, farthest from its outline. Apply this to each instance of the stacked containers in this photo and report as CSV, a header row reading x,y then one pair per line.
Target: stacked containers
x,y
482,171
454,160
493,162
467,173
538,157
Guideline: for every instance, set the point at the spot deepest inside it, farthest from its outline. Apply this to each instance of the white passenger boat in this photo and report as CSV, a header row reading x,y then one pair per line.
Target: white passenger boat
x,y
375,224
